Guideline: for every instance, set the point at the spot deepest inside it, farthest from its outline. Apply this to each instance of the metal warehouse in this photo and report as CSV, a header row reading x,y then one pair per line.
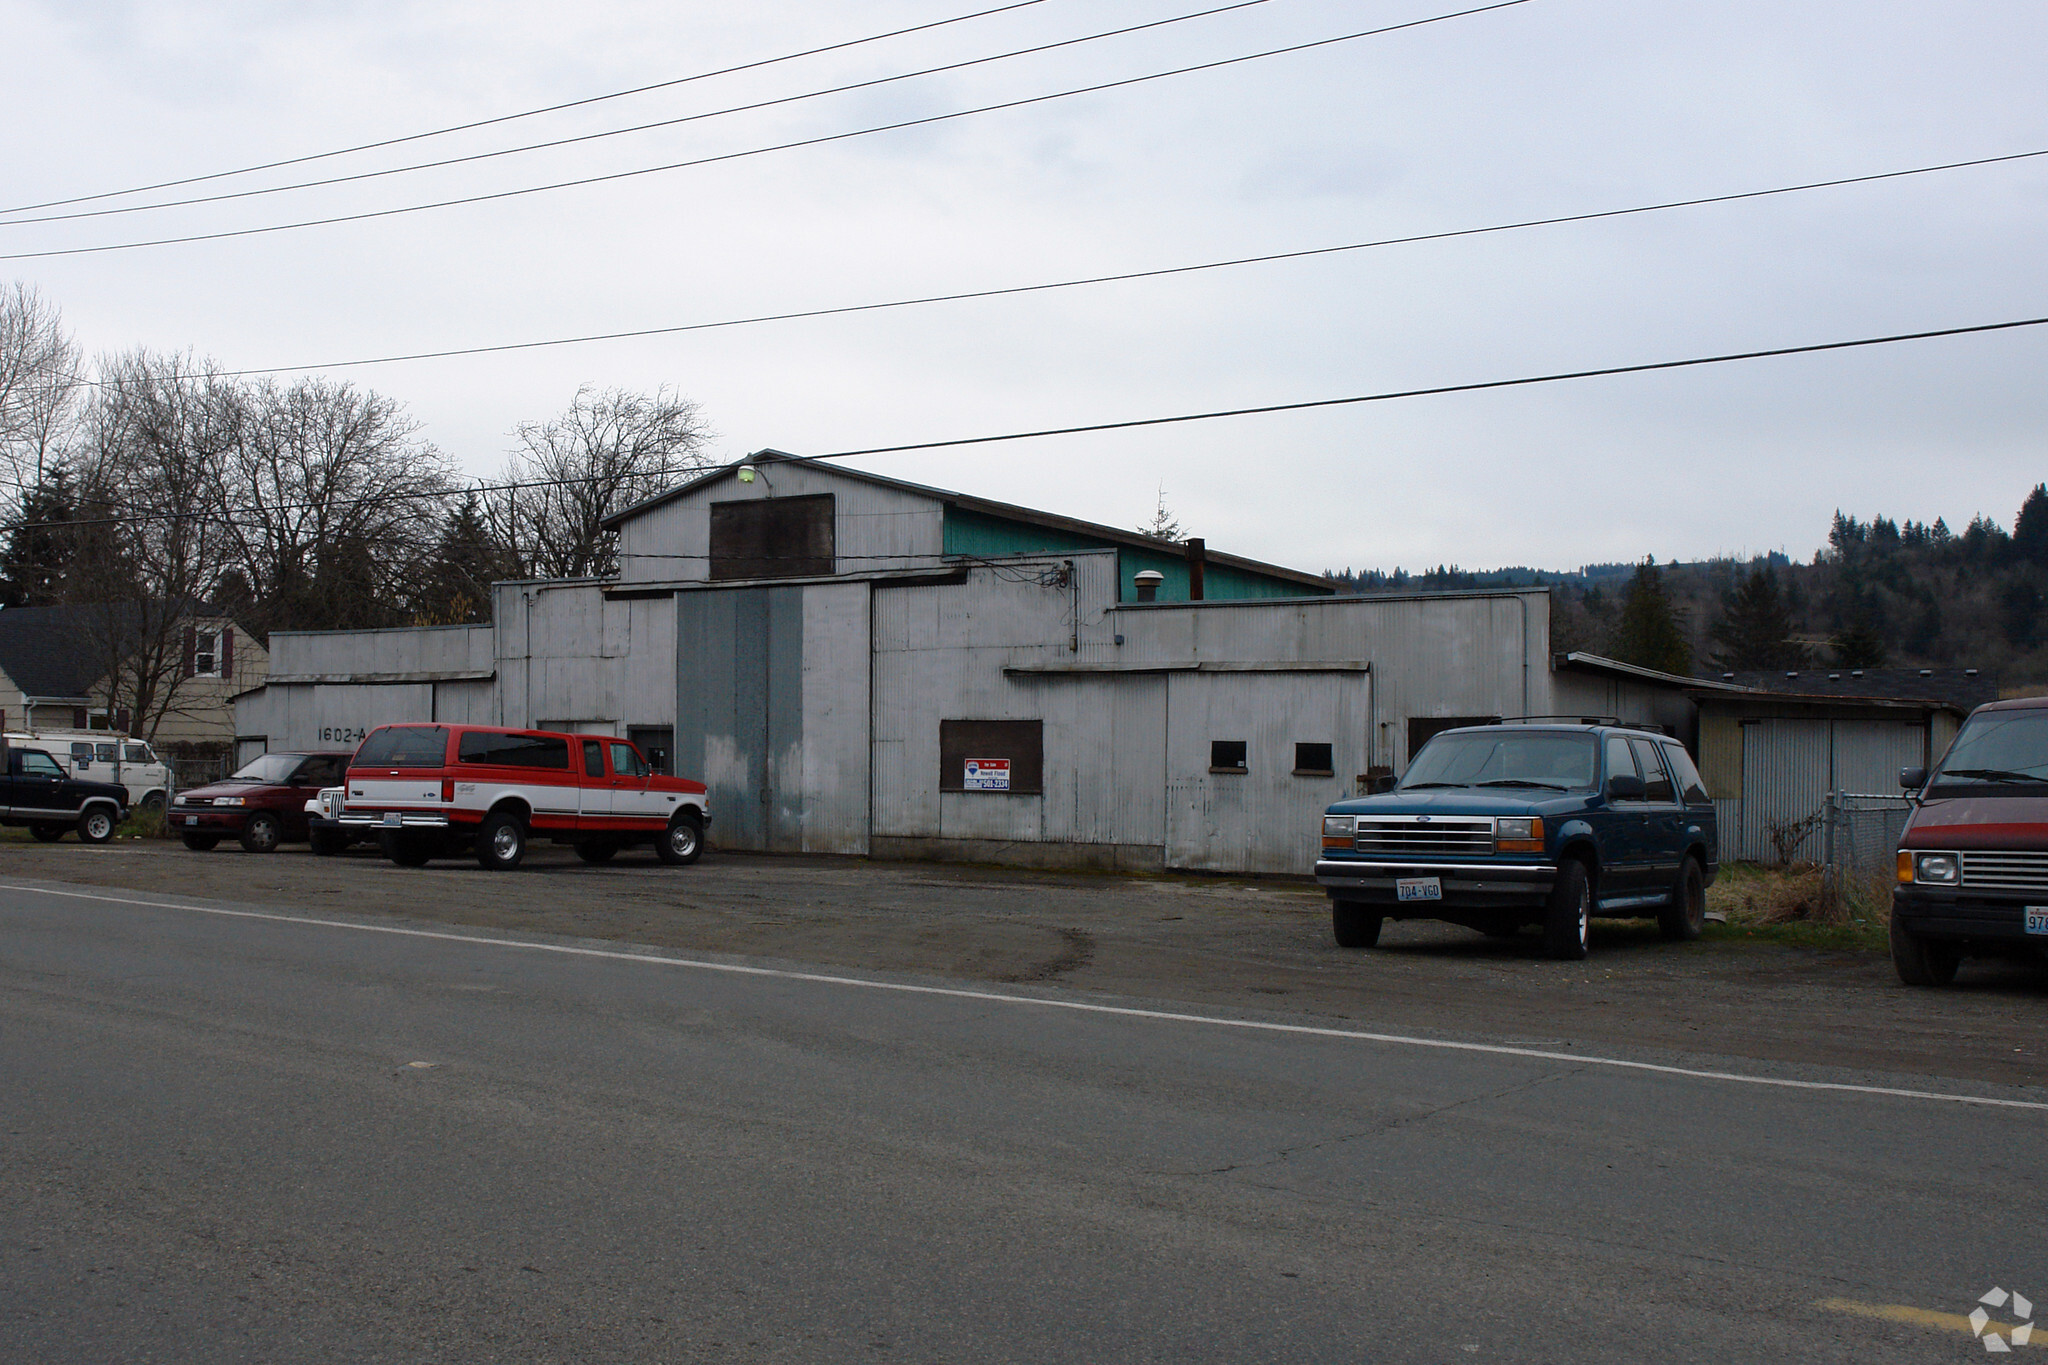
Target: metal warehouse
x,y
859,665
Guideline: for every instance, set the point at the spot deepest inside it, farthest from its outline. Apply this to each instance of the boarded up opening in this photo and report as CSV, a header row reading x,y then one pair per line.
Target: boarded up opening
x,y
1019,743
772,537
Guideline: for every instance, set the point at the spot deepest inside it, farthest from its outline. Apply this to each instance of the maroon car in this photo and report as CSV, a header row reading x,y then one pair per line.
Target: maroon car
x,y
263,805
1973,860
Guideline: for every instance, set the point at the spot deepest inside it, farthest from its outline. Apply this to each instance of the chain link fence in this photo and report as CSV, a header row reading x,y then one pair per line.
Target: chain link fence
x,y
1859,838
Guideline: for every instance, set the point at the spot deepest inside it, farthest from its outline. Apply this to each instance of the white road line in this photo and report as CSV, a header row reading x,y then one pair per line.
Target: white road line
x,y
1074,1006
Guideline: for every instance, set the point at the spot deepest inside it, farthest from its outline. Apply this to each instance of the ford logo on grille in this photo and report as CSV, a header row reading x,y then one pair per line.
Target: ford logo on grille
x,y
1422,819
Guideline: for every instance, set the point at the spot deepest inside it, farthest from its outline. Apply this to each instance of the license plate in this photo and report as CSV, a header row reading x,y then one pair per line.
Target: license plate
x,y
1418,889
392,817
191,819
2037,919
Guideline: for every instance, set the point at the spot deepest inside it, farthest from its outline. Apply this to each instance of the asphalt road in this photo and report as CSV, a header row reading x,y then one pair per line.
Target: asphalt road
x,y
257,1133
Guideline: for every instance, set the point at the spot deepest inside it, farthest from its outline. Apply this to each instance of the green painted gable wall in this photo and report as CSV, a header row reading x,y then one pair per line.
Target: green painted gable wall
x,y
977,533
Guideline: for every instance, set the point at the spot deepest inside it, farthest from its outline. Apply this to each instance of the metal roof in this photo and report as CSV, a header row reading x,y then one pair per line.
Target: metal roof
x,y
968,502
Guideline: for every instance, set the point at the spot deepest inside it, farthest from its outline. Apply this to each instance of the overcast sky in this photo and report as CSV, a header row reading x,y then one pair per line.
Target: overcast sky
x,y
1551,107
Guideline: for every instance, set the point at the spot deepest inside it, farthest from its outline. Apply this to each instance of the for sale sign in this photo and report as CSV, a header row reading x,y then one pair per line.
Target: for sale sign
x,y
988,775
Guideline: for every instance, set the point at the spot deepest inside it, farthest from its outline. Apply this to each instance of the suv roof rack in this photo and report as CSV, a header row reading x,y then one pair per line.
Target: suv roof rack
x,y
1649,726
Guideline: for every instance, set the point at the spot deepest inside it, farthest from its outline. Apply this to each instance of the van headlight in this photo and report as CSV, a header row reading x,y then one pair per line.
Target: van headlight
x,y
228,800
1937,869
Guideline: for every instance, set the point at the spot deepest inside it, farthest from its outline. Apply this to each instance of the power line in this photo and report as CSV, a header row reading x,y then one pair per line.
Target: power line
x,y
529,113
642,127
1475,387
1449,234
776,147
1385,396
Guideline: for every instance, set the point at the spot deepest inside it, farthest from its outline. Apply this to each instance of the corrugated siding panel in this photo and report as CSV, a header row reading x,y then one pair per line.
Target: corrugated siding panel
x,y
1785,779
1869,753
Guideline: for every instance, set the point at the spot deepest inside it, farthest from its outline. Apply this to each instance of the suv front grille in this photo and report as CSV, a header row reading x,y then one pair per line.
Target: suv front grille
x,y
2005,871
1439,836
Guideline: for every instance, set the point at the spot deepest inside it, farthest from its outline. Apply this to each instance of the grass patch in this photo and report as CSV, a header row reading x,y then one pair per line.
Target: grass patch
x,y
144,822
1795,905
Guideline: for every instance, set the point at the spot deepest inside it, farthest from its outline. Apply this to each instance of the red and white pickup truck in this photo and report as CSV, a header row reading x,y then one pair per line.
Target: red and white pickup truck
x,y
428,791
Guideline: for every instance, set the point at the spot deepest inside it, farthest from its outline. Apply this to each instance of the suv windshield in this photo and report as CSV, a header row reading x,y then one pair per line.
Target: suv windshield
x,y
1998,747
1505,758
268,768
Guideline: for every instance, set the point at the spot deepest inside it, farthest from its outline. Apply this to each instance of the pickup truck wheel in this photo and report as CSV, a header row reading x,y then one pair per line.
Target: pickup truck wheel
x,y
1682,920
200,843
328,842
407,850
48,834
96,826
500,842
682,843
263,833
1921,962
595,851
1355,925
1568,924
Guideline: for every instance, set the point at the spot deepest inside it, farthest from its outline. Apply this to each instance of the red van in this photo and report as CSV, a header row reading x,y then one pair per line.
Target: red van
x,y
1973,858
428,791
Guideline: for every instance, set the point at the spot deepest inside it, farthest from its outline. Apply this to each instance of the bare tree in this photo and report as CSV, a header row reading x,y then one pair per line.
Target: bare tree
x,y
328,500
611,449
39,385
149,550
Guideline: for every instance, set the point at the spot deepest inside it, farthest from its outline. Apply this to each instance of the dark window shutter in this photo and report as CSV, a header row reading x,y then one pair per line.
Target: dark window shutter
x,y
227,651
191,651
79,718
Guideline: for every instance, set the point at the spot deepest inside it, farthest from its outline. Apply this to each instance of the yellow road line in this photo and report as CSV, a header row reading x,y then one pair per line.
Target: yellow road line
x,y
1922,1317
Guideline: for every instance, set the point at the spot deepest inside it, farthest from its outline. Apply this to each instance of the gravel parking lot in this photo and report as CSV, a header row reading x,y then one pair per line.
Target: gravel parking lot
x,y
1229,943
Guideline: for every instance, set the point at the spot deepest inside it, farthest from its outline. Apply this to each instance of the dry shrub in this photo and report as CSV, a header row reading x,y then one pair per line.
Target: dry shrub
x,y
1799,894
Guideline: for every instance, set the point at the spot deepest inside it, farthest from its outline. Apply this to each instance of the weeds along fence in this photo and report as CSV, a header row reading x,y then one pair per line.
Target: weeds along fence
x,y
1859,838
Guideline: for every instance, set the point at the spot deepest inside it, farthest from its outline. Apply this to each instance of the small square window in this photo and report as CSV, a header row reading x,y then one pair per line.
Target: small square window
x,y
1314,760
1226,756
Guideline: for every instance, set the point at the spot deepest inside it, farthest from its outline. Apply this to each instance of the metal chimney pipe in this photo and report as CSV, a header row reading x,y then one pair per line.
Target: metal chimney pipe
x,y
1198,560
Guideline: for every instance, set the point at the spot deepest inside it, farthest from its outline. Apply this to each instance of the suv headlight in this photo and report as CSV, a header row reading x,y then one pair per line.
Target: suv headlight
x,y
1936,869
1518,833
1339,830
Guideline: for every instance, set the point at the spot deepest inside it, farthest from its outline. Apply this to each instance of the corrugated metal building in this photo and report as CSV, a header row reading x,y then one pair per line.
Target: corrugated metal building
x,y
829,650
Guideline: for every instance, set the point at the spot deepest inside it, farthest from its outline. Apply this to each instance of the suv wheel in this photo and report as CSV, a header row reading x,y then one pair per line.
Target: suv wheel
x,y
683,841
500,842
1923,962
1355,925
96,826
48,834
1683,919
263,833
1568,924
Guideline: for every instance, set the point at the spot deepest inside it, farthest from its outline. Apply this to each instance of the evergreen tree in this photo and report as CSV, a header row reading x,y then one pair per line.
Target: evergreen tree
x,y
1755,629
1860,646
455,586
39,546
2030,529
1648,633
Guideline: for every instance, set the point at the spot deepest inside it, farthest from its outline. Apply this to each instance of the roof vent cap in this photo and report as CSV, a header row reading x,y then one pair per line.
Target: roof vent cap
x,y
1728,677
1834,677
1855,672
1148,582
1926,672
1790,673
1969,672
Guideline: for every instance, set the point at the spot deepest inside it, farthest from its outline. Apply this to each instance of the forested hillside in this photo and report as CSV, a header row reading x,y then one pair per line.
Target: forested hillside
x,y
1882,592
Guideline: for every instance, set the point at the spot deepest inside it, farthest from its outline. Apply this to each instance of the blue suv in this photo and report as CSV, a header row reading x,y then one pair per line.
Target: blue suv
x,y
1498,826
